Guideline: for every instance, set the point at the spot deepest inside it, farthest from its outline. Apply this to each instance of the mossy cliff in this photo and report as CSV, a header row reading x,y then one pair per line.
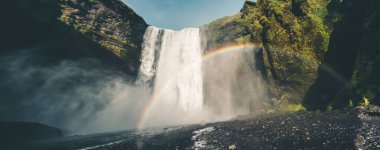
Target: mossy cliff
x,y
350,72
293,37
321,53
70,29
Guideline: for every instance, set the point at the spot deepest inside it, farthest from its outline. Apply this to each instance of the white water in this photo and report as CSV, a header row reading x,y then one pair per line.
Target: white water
x,y
172,64
149,55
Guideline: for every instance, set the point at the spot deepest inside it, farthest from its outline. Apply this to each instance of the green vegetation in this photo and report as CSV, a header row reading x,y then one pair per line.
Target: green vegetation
x,y
118,30
365,102
329,108
295,107
305,34
287,108
283,105
294,36
351,104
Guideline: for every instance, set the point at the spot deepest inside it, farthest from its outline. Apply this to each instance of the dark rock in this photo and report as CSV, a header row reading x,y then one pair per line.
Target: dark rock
x,y
301,130
14,134
86,42
71,29
296,36
293,37
351,67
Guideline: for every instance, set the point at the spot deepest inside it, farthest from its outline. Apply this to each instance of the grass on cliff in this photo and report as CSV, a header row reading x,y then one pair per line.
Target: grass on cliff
x,y
307,34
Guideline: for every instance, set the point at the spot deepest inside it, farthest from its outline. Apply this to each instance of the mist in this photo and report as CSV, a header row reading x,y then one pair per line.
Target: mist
x,y
80,96
190,87
86,95
232,88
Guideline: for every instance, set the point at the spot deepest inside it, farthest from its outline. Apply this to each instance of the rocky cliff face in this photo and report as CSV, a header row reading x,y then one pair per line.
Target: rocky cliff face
x,y
58,58
365,77
105,29
300,62
349,74
293,36
111,24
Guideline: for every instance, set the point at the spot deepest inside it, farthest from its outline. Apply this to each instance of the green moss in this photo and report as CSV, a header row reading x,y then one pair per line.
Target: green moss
x,y
119,39
83,28
271,111
65,17
119,51
329,108
295,44
351,104
284,104
112,25
365,102
295,108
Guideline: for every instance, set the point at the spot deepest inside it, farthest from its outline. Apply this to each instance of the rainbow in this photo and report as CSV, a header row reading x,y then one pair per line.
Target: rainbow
x,y
156,94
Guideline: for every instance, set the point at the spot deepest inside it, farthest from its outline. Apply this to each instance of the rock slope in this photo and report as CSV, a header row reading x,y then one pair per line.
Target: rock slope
x,y
105,29
319,53
293,37
349,74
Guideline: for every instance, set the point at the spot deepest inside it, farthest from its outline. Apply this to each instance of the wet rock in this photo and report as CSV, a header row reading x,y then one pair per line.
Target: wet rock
x,y
302,130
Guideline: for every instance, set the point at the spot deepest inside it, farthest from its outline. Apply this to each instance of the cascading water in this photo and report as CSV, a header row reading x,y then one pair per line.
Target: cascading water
x,y
149,56
174,68
171,64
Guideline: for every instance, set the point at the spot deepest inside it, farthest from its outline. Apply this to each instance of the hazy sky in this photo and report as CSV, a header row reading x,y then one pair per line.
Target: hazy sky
x,y
178,14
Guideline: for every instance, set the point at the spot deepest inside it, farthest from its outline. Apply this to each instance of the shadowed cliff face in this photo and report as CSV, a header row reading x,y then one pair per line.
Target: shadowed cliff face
x,y
109,23
61,59
107,30
62,62
351,67
293,37
297,51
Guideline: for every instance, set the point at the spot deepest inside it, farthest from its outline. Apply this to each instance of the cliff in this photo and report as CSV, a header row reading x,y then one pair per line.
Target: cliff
x,y
70,29
57,57
317,52
321,53
293,37
349,74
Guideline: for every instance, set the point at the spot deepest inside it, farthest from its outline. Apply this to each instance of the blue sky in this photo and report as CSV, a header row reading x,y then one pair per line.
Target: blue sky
x,y
178,14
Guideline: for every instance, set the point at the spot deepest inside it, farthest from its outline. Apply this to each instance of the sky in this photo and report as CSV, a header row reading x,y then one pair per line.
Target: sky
x,y
178,14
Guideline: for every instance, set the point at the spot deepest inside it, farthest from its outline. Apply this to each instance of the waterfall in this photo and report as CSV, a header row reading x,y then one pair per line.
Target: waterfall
x,y
150,53
171,65
185,88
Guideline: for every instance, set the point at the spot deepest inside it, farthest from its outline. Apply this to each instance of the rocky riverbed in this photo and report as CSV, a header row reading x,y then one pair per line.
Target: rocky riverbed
x,y
301,130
